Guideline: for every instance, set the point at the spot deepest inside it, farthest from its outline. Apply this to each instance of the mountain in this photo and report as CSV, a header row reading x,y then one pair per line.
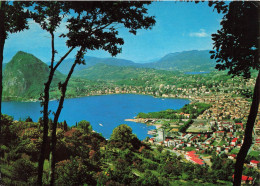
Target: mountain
x,y
104,72
184,61
109,72
91,61
24,77
4,64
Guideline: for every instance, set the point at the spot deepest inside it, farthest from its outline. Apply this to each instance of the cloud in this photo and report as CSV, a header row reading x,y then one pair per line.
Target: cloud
x,y
201,33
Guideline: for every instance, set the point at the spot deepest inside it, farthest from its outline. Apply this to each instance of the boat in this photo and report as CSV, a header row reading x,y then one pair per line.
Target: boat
x,y
100,124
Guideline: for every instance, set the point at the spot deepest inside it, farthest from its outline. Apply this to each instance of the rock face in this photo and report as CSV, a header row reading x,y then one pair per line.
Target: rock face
x,y
24,76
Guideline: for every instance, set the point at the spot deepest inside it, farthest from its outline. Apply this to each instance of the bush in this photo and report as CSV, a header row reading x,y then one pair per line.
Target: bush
x,y
23,170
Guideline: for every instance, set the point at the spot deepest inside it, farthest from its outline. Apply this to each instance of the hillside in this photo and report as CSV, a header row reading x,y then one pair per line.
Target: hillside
x,y
24,77
106,72
92,61
186,61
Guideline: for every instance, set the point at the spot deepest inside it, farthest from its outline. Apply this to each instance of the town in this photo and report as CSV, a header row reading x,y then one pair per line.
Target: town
x,y
218,130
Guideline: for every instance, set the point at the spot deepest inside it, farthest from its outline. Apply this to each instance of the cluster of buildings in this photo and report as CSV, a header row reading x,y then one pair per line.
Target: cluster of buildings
x,y
226,136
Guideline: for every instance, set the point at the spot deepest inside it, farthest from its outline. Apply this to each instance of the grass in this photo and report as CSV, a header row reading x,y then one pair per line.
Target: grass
x,y
234,151
46,165
255,153
190,148
222,143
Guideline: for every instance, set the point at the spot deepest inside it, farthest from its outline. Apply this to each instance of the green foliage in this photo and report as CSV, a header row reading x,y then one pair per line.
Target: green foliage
x,y
85,158
235,44
185,126
194,110
122,137
160,148
73,172
148,179
28,119
85,125
23,170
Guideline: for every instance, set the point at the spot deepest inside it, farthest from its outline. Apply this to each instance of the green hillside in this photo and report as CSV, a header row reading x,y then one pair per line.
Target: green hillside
x,y
116,73
187,61
92,61
24,77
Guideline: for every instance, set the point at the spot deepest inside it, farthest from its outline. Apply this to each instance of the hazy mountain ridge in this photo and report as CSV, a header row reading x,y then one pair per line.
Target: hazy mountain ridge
x,y
186,61
91,61
105,72
25,74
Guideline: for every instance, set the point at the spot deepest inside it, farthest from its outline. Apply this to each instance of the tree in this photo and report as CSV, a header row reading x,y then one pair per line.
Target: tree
x,y
91,26
122,134
237,49
85,125
122,137
13,19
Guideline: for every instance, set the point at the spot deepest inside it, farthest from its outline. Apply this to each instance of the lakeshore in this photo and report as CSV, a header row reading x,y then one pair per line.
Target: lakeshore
x,y
110,110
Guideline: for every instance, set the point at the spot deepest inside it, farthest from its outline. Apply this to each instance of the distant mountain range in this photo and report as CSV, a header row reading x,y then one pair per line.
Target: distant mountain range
x,y
186,61
91,61
25,75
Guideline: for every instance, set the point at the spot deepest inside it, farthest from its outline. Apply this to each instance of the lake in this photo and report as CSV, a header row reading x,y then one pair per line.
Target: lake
x,y
103,112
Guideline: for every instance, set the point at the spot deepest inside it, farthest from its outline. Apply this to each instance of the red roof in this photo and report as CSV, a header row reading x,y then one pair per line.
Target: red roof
x,y
254,161
245,178
194,157
235,139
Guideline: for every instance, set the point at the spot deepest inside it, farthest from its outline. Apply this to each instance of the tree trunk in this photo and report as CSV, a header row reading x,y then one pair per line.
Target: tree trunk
x,y
45,103
248,134
45,127
63,88
251,118
2,43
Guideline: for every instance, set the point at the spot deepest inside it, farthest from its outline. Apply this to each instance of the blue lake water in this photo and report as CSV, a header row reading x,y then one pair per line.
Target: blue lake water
x,y
108,110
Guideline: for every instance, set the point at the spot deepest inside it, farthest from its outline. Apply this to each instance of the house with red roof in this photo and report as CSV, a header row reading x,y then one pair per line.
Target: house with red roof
x,y
234,141
232,156
240,126
226,150
151,140
194,158
255,163
245,179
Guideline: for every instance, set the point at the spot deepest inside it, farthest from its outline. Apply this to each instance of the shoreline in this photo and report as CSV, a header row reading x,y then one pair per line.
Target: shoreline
x,y
144,121
54,99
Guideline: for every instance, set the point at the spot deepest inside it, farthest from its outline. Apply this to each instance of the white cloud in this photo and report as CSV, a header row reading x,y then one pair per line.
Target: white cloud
x,y
201,33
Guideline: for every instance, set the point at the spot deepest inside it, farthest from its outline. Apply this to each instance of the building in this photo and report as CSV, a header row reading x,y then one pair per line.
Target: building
x,y
161,135
254,163
245,179
234,141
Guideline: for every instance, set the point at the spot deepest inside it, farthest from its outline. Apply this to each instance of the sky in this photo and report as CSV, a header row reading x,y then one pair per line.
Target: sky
x,y
180,26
